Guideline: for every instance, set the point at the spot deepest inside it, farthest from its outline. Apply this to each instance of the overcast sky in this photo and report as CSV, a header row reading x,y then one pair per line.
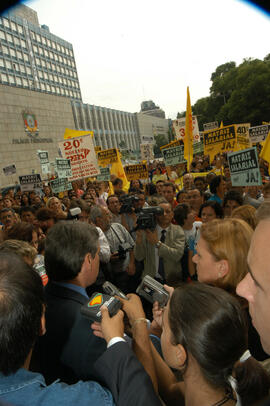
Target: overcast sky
x,y
129,51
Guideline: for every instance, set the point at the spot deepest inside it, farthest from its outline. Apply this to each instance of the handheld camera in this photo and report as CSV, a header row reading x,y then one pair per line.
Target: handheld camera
x,y
153,291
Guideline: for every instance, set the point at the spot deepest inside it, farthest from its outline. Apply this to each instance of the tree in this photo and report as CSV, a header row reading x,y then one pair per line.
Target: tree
x,y
160,140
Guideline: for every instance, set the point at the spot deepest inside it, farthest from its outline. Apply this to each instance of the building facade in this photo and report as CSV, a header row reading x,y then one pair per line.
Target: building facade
x,y
33,58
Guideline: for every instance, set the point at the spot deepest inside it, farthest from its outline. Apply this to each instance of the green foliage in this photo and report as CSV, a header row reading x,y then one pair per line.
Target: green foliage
x,y
237,94
160,140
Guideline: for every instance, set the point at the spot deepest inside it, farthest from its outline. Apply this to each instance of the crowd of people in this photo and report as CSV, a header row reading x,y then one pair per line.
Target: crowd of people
x,y
203,239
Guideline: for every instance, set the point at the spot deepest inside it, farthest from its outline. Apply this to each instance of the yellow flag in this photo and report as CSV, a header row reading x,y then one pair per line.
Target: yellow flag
x,y
221,124
69,133
118,170
188,140
265,153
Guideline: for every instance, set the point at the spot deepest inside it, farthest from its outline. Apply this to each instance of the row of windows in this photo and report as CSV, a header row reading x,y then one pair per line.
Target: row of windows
x,y
16,66
53,56
52,66
57,79
12,39
11,25
16,80
14,53
51,44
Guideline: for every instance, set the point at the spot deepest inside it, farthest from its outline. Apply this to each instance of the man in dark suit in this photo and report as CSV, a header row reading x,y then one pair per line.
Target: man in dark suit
x,y
69,349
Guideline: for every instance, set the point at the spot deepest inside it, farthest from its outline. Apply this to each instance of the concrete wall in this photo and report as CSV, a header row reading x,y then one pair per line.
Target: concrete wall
x,y
53,115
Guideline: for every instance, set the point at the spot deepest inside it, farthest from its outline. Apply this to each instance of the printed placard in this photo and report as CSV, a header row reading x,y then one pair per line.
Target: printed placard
x,y
242,132
179,127
81,152
30,182
60,185
63,168
259,133
107,156
97,148
173,156
9,170
104,174
146,151
221,140
244,168
198,148
138,171
210,126
43,157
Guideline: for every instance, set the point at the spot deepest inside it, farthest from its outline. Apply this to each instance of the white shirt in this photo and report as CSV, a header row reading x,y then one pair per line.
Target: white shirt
x,y
105,252
159,230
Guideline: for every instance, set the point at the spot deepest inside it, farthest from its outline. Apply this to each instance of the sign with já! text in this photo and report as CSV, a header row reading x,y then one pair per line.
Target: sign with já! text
x,y
60,185
81,152
138,171
107,156
173,156
244,168
259,133
218,141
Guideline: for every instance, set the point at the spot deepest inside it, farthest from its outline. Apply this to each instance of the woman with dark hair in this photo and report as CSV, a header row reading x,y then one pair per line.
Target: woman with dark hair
x,y
25,199
135,186
23,231
210,210
217,188
150,189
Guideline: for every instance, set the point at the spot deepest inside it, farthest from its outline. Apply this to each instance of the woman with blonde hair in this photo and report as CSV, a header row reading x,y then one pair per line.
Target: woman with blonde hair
x,y
221,260
54,204
246,213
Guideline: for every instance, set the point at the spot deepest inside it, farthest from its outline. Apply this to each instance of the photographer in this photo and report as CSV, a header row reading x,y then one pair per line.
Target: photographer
x,y
121,263
161,248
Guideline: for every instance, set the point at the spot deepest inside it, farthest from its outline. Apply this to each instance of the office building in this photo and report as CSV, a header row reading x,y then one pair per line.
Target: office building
x,y
151,109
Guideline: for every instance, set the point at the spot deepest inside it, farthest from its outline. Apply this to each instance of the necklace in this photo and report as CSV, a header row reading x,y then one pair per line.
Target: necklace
x,y
223,400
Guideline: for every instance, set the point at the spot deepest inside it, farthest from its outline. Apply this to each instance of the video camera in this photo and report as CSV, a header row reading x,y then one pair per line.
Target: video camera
x,y
147,218
127,204
123,248
74,213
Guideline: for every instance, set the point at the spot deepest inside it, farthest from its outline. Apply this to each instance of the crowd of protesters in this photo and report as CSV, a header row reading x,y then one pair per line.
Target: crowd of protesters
x,y
198,248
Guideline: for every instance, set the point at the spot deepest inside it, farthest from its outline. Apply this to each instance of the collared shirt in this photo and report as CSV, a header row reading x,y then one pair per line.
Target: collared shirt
x,y
159,230
71,286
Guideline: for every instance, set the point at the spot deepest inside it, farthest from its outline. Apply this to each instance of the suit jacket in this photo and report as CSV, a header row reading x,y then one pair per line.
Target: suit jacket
x,y
123,374
171,251
69,348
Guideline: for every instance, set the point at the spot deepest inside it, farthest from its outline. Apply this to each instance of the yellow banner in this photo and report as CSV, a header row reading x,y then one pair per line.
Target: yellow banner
x,y
138,171
172,144
107,156
69,133
243,141
218,141
188,140
97,148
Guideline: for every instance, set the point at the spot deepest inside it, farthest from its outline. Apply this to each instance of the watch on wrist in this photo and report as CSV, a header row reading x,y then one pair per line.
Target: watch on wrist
x,y
158,244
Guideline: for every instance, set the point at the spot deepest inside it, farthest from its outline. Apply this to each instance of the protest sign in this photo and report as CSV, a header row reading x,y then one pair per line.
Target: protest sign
x,y
63,168
147,151
259,133
104,174
179,127
69,133
148,139
173,156
44,161
210,126
9,170
30,182
198,148
242,132
218,141
107,156
97,148
60,185
138,171
244,168
81,152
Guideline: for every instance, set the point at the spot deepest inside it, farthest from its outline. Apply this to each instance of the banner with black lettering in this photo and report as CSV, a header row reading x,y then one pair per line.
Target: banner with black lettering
x,y
244,167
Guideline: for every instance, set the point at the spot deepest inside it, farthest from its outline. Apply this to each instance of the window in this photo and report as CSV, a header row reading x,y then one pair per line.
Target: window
x,y
60,58
22,68
2,62
9,38
33,35
25,82
46,76
51,77
6,23
71,73
56,57
68,62
18,81
20,29
57,90
5,50
42,85
40,74
38,61
12,52
4,77
60,80
13,26
11,79
65,81
53,45
48,64
58,47
62,91
62,49
19,55
8,65
70,52
38,38
28,70
17,41
69,82
43,63
46,53
49,43
15,66
2,35
75,74
53,67
53,89
64,60
58,68
26,57
44,41
55,78
23,43
51,55
62,69
35,48
48,87
41,51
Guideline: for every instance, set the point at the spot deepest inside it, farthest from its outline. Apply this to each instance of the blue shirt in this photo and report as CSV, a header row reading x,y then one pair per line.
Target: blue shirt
x,y
215,198
71,286
25,388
